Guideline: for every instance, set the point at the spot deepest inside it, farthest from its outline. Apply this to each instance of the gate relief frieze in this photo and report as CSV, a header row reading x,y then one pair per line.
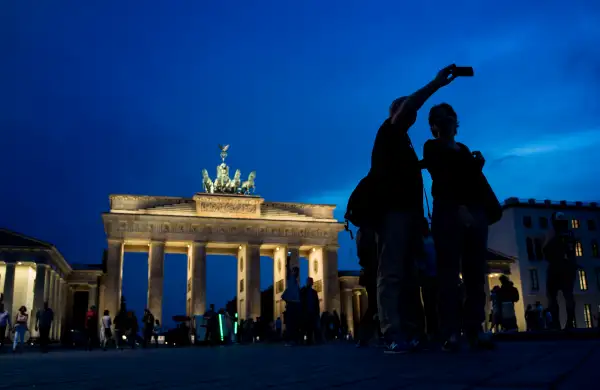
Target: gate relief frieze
x,y
219,232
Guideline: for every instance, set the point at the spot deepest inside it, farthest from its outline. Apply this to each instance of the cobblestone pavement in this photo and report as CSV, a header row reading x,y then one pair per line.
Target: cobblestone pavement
x,y
523,365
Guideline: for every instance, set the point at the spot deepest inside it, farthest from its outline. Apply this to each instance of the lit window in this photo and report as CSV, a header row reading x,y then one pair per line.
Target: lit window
x,y
527,221
533,275
582,281
575,223
595,248
578,249
530,251
587,315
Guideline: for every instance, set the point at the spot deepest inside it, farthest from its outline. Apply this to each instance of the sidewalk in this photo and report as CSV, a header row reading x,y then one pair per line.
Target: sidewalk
x,y
515,365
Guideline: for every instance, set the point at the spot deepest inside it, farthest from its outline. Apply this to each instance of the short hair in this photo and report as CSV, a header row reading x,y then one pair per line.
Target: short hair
x,y
106,312
435,111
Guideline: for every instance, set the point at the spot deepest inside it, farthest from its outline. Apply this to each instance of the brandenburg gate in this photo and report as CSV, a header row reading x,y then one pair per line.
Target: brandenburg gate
x,y
226,219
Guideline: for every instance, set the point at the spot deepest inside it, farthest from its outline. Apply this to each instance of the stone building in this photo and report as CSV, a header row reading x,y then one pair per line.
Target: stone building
x,y
521,233
33,272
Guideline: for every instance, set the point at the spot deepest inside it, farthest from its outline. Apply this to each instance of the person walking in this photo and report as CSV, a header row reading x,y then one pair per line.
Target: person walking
x,y
293,306
21,320
106,329
43,322
4,323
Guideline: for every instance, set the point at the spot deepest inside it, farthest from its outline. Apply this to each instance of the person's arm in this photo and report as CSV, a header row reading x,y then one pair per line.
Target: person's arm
x,y
414,102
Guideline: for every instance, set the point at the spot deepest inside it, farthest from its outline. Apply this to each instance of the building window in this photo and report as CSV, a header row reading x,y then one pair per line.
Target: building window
x,y
591,224
544,222
539,253
575,223
527,221
582,281
535,283
587,315
530,251
578,249
595,249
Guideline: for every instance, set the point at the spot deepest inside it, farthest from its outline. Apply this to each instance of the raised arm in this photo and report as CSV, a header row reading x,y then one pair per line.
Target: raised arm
x,y
415,101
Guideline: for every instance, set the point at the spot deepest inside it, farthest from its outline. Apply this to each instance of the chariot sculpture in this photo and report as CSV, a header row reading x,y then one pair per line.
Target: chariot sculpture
x,y
223,184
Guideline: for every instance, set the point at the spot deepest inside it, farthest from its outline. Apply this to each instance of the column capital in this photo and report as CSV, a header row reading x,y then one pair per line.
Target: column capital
x,y
197,243
158,243
115,241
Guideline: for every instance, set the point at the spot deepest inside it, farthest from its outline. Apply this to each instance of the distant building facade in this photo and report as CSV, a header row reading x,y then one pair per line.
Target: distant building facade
x,y
520,234
33,272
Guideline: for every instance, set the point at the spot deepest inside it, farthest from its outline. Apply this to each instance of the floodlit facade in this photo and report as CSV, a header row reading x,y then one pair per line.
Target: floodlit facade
x,y
520,234
33,272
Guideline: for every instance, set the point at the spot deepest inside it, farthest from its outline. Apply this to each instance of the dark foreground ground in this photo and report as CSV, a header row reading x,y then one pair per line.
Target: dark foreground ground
x,y
514,365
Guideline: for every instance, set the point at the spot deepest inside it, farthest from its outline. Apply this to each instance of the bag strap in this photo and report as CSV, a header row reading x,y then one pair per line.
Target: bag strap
x,y
424,190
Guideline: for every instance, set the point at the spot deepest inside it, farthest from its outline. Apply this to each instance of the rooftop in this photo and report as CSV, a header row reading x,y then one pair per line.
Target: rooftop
x,y
547,203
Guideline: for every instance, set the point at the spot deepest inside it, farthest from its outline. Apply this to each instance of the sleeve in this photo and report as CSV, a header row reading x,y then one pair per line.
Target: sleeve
x,y
405,120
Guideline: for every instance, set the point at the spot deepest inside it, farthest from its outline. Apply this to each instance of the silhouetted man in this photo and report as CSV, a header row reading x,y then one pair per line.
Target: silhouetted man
x,y
390,199
559,250
311,311
43,322
210,321
148,322
293,305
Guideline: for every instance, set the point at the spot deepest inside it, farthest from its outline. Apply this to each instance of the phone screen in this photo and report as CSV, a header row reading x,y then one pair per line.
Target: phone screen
x,y
464,71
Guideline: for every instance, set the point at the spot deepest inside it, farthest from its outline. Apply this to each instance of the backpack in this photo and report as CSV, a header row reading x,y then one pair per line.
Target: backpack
x,y
359,210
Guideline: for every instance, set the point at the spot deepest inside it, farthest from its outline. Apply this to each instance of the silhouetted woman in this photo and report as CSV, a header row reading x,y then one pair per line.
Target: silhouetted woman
x,y
459,228
21,321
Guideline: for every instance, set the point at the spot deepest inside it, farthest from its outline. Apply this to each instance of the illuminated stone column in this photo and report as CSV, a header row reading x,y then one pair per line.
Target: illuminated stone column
x,y
279,281
51,295
348,308
56,308
196,279
156,266
9,290
315,271
93,296
114,276
331,286
39,289
248,281
58,316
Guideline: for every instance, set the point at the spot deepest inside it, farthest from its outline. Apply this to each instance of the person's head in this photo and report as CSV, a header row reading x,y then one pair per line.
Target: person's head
x,y
23,309
296,271
560,223
157,322
504,279
443,121
106,313
212,306
46,305
93,308
309,282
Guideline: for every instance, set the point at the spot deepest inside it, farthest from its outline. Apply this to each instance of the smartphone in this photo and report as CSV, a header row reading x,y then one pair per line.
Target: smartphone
x,y
464,71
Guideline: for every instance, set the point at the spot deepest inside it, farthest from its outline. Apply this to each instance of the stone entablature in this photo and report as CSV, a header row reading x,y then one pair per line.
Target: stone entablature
x,y
221,206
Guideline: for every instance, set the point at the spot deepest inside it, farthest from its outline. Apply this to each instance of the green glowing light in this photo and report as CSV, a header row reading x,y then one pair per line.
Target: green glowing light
x,y
235,324
221,325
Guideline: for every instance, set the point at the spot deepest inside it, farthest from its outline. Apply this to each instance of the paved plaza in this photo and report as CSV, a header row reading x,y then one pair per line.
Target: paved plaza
x,y
522,365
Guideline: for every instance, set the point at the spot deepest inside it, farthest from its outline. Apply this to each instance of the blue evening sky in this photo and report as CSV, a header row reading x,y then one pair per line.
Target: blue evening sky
x,y
132,97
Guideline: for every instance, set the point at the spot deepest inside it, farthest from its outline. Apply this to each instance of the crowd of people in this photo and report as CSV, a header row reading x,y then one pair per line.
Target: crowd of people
x,y
426,277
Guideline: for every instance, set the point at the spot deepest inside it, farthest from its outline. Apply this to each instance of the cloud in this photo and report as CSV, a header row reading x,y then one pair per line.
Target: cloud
x,y
555,143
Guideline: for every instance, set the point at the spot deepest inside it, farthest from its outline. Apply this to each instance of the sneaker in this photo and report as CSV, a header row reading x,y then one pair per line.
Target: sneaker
x,y
399,348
